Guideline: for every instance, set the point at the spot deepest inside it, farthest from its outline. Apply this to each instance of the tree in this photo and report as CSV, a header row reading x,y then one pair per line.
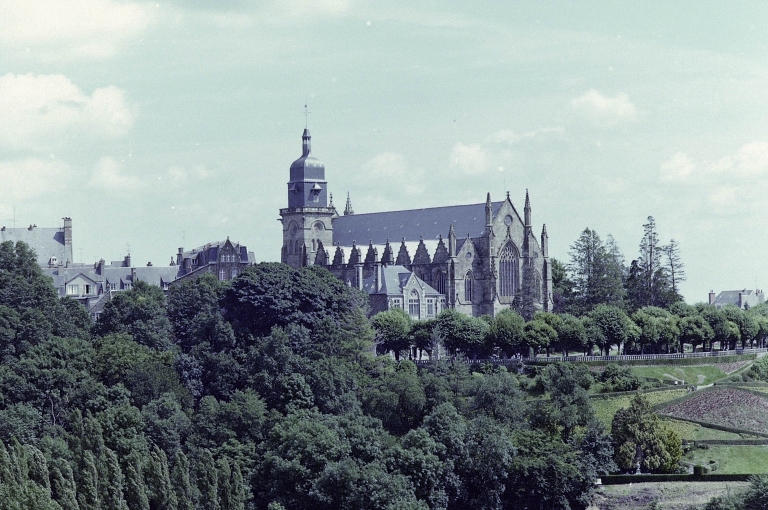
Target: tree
x,y
640,438
139,312
538,334
673,263
181,483
649,282
506,331
597,270
571,335
562,286
695,330
271,294
460,332
567,385
612,324
392,331
397,399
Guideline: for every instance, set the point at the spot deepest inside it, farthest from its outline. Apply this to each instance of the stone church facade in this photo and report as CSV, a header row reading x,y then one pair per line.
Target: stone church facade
x,y
476,258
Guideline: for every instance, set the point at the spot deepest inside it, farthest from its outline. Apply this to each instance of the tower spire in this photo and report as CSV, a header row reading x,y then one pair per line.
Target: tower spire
x,y
348,209
527,209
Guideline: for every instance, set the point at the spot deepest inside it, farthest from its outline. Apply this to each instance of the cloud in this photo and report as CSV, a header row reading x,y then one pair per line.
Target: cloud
x,y
108,174
73,28
603,110
393,166
677,168
180,175
470,159
41,112
31,177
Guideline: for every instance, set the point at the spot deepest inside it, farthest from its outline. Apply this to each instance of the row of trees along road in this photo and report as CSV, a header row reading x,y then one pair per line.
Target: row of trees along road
x,y
261,393
599,303
649,330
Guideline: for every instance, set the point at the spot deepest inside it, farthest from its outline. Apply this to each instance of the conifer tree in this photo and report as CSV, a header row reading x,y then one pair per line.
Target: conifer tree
x,y
88,486
135,489
111,486
161,491
6,467
38,468
238,488
180,479
63,487
207,480
225,484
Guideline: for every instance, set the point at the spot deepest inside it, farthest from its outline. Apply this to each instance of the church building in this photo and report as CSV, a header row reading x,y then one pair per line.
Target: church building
x,y
477,258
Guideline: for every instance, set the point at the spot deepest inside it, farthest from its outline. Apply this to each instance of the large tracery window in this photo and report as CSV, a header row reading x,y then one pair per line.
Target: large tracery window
x,y
508,271
414,305
468,286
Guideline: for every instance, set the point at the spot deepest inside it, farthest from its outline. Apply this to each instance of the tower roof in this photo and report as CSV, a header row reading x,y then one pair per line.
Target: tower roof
x,y
307,167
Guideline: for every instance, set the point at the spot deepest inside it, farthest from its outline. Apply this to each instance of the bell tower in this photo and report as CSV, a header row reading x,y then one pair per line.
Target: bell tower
x,y
307,221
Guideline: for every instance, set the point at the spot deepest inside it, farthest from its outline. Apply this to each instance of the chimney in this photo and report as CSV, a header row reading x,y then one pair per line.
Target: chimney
x,y
68,238
711,297
179,256
741,299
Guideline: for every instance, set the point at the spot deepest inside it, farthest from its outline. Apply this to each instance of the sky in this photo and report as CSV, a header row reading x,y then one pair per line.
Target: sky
x,y
161,125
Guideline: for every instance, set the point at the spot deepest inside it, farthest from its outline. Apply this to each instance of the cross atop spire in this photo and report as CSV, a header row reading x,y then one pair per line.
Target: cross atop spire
x,y
306,116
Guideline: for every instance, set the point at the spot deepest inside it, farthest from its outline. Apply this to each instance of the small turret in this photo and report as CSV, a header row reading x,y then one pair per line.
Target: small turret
x,y
544,242
306,139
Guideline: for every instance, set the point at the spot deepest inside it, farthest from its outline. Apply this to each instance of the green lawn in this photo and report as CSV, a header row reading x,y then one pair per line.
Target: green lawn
x,y
605,408
698,375
733,459
695,432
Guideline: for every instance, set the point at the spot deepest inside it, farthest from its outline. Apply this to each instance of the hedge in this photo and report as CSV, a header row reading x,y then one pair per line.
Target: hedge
x,y
712,477
728,442
676,361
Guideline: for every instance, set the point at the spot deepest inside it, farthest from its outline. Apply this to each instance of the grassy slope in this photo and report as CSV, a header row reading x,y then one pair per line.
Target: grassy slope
x,y
699,375
670,495
733,459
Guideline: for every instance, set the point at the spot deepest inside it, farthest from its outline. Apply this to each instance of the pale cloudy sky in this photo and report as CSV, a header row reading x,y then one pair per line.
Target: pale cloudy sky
x,y
157,125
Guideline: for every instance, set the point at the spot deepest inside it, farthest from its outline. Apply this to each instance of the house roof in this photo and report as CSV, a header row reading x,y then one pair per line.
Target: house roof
x,y
428,223
47,242
731,297
394,278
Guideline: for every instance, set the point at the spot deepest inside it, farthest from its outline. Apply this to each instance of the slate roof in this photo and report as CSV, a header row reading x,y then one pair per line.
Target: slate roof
x,y
211,251
393,280
731,297
47,242
395,225
156,275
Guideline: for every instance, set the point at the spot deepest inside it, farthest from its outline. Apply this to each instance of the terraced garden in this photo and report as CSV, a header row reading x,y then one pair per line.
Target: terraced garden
x,y
724,406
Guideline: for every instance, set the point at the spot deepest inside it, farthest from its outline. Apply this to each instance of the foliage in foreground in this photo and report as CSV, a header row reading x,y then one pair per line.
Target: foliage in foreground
x,y
261,394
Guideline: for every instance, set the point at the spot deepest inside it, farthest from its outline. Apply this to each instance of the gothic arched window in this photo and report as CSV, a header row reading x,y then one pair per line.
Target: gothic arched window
x,y
508,271
440,282
468,286
414,305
